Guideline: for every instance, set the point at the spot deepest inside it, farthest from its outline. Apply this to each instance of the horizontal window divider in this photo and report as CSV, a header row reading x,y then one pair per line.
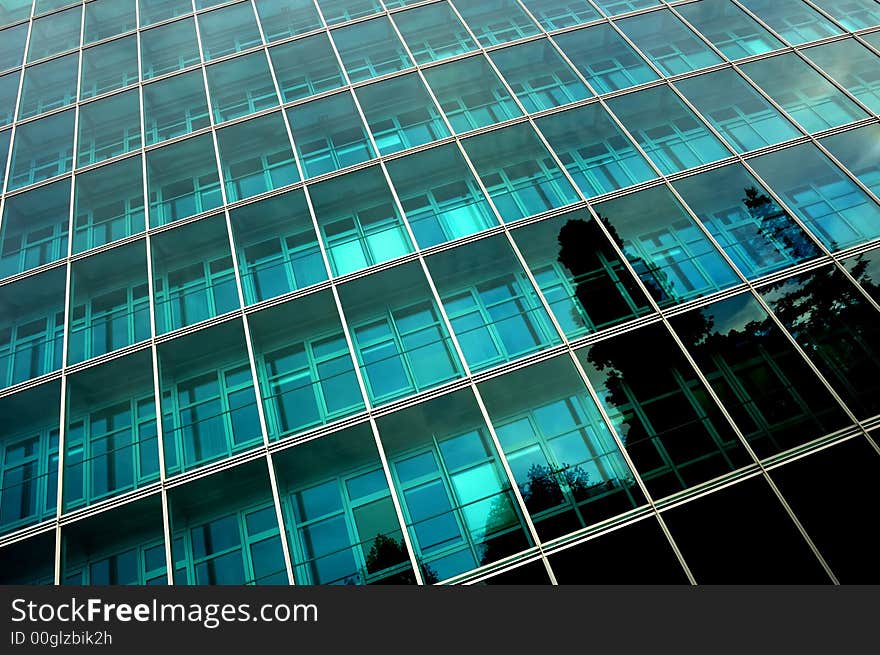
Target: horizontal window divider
x,y
151,489
591,532
43,527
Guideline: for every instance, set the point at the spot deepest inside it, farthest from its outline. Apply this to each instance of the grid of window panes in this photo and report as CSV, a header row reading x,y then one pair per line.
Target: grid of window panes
x,y
451,291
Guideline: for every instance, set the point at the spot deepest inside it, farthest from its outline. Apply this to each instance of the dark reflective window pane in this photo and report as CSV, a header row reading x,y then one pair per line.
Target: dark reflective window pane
x,y
866,269
531,573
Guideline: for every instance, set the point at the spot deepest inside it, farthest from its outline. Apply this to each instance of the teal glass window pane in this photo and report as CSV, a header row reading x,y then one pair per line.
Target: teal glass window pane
x,y
852,14
667,130
745,119
370,49
520,175
755,232
616,7
48,86
153,11
865,268
108,128
730,29
277,247
175,106
110,303
604,58
853,66
433,32
440,196
470,94
109,66
456,500
209,412
30,330
256,157
831,205
400,114
675,435
12,45
494,310
597,155
329,134
44,6
305,67
400,341
55,33
207,4
794,20
539,77
306,370
106,18
42,149
566,463
14,10
359,223
34,229
108,204
556,14
767,387
29,447
241,86
809,98
4,151
843,341
337,11
283,18
195,279
227,30
586,284
182,180
672,47
496,22
168,48
8,96
665,246
857,150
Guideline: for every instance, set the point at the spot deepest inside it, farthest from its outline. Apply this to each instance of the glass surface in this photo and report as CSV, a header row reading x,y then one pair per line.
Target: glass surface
x,y
228,30
837,327
615,7
604,58
283,18
556,14
106,18
8,97
370,49
566,463
337,11
794,20
667,130
433,32
305,67
539,77
256,157
597,154
359,222
153,11
109,66
745,119
175,106
669,252
12,40
674,433
42,149
858,150
518,172
853,66
182,180
809,98
55,33
276,246
831,205
492,306
762,381
852,14
668,43
240,86
401,344
729,28
48,86
34,228
108,204
583,279
440,196
496,22
329,134
755,232
108,128
865,268
470,94
400,114
168,48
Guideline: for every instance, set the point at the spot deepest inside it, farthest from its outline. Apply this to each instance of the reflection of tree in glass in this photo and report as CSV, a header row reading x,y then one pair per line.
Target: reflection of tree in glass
x,y
387,552
777,226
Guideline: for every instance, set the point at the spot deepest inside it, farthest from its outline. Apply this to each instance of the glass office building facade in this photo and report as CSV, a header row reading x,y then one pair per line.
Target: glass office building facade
x,y
452,291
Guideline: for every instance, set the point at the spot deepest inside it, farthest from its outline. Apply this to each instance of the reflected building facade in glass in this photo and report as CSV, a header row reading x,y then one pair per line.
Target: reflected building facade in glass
x,y
440,291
